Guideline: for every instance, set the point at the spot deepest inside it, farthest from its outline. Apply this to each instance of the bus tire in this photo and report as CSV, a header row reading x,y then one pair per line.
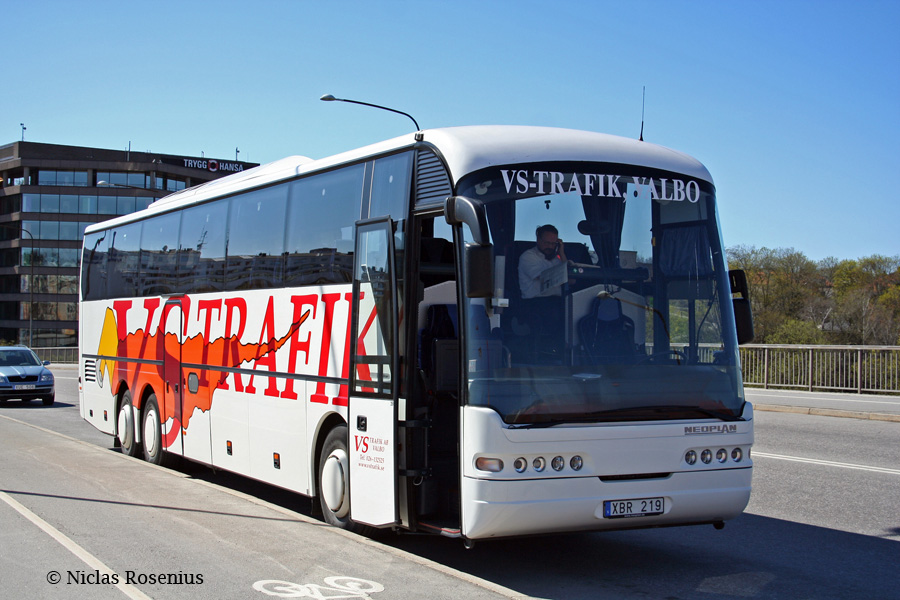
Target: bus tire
x,y
334,482
152,433
126,427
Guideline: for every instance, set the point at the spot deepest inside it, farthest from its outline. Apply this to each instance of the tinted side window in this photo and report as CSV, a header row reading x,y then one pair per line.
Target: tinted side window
x,y
321,213
256,239
159,252
390,186
93,265
201,248
124,260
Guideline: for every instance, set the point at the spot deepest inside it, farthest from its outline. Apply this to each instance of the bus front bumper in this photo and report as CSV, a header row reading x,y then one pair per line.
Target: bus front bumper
x,y
500,508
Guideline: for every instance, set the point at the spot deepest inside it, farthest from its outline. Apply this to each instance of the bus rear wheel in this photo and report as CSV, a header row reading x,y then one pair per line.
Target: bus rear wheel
x,y
125,426
334,482
152,433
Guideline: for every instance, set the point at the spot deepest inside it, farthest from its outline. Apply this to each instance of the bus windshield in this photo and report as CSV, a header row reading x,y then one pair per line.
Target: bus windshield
x,y
611,302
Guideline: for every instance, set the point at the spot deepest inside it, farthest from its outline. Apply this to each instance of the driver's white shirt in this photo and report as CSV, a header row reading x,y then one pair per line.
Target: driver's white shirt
x,y
531,264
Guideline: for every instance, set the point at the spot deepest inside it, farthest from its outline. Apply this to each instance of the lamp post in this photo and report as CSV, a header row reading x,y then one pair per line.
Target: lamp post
x,y
30,290
330,98
21,230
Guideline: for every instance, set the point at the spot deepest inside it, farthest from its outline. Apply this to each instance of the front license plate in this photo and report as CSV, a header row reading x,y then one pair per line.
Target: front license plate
x,y
25,387
635,507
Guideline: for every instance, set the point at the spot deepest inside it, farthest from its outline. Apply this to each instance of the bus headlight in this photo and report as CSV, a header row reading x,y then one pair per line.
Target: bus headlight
x,y
520,464
690,457
706,456
576,463
737,454
539,464
721,455
558,463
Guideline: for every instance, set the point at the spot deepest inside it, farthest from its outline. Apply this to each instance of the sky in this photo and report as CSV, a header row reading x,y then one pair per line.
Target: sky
x,y
793,106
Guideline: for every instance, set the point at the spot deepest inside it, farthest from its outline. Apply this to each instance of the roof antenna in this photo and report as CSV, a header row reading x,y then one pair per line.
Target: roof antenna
x,y
643,98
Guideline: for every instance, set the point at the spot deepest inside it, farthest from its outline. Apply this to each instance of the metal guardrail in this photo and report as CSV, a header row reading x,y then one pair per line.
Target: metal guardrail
x,y
860,369
58,356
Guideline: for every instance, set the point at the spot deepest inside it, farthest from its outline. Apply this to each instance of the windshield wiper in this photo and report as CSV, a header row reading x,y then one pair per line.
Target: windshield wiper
x,y
543,424
668,408
630,413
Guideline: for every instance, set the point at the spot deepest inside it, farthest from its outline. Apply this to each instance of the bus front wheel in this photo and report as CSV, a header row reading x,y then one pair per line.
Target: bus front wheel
x,y
334,481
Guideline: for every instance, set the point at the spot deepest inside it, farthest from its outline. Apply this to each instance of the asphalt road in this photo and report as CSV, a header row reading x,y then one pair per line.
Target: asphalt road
x,y
822,523
828,404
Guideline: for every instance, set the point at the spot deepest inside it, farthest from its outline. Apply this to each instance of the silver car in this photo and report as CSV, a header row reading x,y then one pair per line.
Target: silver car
x,y
23,376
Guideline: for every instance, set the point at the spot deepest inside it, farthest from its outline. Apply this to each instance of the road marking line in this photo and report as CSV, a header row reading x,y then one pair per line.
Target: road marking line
x,y
769,395
85,556
827,463
354,537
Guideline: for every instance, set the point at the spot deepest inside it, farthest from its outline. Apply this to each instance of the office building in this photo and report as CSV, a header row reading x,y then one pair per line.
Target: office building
x,y
49,194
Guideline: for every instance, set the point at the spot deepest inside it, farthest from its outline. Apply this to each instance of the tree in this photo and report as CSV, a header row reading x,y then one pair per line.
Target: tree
x,y
795,331
798,301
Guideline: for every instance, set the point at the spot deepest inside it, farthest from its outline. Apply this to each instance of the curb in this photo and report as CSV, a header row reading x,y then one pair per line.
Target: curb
x,y
828,412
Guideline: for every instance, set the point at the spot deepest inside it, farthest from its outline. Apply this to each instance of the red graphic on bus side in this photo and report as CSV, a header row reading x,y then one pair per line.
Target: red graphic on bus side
x,y
209,362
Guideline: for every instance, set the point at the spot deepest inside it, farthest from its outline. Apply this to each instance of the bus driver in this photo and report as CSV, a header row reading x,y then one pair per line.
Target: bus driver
x,y
548,253
542,310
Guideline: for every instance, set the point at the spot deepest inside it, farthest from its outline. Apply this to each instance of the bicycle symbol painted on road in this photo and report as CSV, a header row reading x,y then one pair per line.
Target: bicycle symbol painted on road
x,y
335,587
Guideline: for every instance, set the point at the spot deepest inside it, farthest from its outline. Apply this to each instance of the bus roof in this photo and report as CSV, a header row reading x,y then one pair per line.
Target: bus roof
x,y
469,149
464,149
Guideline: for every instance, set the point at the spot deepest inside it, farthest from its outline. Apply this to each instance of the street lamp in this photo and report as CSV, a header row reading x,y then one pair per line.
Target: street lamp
x,y
30,283
330,98
123,186
30,290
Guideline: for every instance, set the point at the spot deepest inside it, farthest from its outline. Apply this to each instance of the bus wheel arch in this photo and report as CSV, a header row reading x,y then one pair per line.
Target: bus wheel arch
x,y
126,424
329,422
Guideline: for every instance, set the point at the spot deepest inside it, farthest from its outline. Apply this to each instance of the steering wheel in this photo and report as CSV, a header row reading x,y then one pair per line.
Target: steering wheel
x,y
658,356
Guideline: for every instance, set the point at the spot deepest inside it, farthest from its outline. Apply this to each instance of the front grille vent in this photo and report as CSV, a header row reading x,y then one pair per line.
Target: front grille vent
x,y
22,378
632,477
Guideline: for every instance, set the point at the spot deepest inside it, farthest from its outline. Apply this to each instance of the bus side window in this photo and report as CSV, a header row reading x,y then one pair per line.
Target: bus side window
x,y
93,266
124,261
256,239
390,186
201,248
320,216
159,244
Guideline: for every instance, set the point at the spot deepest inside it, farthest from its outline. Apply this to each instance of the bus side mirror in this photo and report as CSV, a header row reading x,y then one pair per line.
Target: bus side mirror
x,y
743,317
479,268
461,210
479,257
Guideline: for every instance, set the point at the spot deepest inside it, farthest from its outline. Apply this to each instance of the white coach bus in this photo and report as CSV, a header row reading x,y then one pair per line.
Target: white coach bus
x,y
396,332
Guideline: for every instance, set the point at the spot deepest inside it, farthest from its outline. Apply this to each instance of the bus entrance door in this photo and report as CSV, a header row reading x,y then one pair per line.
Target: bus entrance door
x,y
172,390
373,392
